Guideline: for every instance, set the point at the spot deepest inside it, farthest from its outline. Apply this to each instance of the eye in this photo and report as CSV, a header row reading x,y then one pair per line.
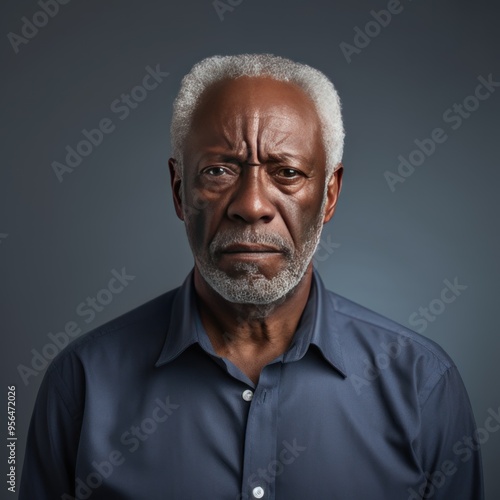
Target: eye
x,y
289,173
215,171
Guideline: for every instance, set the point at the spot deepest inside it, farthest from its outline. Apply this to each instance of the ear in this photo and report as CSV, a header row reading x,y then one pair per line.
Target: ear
x,y
176,184
333,191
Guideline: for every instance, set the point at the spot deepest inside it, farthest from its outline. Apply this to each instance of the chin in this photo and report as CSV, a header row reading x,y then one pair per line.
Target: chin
x,y
249,285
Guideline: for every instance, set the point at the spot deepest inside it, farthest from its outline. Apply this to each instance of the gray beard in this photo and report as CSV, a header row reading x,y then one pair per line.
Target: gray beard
x,y
252,287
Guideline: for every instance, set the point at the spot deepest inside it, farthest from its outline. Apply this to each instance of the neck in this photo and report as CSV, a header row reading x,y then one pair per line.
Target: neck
x,y
237,328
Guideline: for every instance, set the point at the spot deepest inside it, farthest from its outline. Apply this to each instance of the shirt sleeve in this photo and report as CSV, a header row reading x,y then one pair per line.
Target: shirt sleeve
x,y
448,444
49,463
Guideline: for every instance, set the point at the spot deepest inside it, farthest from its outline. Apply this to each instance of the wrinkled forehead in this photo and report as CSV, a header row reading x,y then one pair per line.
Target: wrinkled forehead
x,y
255,105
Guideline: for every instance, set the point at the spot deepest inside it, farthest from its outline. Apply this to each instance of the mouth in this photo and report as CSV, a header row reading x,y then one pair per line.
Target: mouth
x,y
250,252
249,249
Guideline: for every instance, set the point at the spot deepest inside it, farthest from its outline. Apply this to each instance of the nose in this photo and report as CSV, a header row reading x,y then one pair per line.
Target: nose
x,y
251,201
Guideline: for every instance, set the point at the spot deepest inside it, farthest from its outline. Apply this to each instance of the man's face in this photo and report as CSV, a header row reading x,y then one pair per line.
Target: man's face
x,y
253,194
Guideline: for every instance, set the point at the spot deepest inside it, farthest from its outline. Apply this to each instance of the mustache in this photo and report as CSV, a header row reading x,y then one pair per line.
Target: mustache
x,y
222,240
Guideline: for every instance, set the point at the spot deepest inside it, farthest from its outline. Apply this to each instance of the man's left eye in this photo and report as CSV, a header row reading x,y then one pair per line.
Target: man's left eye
x,y
288,172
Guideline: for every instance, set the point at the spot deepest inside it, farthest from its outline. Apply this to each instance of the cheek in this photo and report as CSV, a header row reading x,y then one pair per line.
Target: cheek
x,y
301,215
200,217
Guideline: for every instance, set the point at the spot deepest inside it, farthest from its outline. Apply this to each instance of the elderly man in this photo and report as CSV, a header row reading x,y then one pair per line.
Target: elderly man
x,y
251,380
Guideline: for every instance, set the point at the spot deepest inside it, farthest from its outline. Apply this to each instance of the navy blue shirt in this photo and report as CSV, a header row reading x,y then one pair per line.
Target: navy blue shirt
x,y
357,408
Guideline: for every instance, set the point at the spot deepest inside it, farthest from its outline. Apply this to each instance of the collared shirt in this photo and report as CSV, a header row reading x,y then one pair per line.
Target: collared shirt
x,y
357,408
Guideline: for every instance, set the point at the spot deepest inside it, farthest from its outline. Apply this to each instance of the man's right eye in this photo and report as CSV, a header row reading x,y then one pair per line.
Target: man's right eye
x,y
215,171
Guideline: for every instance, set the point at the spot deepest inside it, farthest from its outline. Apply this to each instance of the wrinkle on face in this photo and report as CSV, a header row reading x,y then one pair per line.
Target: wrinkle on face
x,y
253,127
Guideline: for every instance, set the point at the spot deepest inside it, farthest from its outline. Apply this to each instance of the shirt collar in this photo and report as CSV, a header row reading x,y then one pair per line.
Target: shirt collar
x,y
181,331
317,326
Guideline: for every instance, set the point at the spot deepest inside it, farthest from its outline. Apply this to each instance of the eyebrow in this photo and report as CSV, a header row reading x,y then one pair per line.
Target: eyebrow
x,y
286,158
271,158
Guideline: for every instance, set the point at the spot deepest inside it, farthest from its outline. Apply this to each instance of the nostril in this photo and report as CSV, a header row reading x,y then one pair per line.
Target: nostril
x,y
251,201
251,209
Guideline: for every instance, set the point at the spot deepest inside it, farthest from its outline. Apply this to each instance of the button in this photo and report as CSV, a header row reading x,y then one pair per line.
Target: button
x,y
247,396
258,492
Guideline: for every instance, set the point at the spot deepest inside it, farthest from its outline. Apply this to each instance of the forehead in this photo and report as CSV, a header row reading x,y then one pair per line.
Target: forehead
x,y
256,114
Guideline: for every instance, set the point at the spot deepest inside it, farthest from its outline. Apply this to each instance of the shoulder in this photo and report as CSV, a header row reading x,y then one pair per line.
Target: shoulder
x,y
106,358
143,328
377,327
376,348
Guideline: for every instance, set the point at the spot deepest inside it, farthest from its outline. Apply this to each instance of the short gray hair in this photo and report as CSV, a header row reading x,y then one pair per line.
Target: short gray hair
x,y
217,68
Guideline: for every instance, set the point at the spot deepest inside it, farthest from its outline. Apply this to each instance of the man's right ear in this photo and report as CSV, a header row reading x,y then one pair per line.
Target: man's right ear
x,y
176,184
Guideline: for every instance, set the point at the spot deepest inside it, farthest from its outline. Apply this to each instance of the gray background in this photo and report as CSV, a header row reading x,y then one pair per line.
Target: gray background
x,y
392,250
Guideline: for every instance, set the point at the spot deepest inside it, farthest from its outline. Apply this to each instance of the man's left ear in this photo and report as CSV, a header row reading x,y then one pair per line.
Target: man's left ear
x,y
333,192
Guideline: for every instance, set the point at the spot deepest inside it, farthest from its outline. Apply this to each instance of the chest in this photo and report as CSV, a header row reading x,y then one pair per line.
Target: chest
x,y
198,432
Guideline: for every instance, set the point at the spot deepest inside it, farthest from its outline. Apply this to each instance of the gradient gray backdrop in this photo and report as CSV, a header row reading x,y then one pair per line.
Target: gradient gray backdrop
x,y
390,251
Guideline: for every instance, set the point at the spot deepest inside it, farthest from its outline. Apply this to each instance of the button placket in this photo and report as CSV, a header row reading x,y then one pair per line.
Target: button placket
x,y
261,436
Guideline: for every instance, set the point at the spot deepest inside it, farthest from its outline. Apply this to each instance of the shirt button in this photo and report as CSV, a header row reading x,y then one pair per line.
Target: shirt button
x,y
258,492
247,396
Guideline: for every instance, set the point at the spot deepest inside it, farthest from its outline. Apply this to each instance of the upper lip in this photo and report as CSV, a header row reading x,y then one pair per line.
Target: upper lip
x,y
249,248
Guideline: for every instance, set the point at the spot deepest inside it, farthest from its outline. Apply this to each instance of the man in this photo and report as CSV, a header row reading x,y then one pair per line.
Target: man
x,y
252,380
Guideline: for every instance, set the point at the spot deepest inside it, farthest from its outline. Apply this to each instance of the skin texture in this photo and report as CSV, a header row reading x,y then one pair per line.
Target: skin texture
x,y
253,162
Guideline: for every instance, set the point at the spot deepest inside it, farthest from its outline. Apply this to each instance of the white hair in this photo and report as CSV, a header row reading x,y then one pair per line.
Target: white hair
x,y
217,68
